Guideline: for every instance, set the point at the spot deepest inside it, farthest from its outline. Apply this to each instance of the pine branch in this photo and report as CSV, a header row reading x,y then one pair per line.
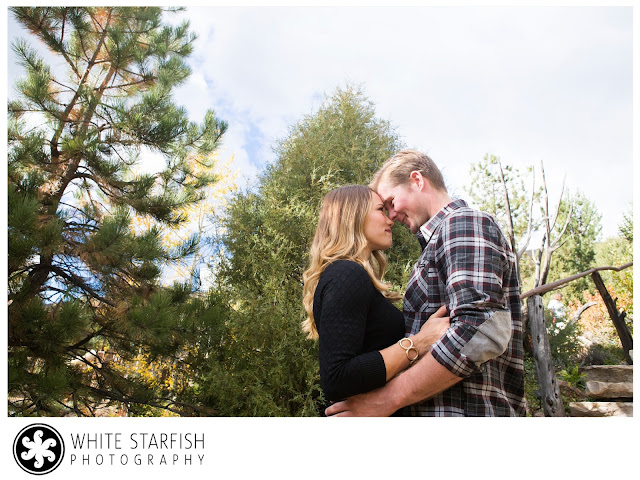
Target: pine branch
x,y
74,279
72,103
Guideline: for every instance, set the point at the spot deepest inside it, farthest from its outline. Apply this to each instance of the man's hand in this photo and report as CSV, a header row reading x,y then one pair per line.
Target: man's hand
x,y
371,404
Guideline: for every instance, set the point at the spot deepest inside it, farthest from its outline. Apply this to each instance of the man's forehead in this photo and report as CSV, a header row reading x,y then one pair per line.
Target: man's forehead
x,y
386,192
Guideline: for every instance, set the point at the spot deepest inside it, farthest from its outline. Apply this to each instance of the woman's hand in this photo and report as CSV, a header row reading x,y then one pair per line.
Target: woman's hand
x,y
432,330
396,359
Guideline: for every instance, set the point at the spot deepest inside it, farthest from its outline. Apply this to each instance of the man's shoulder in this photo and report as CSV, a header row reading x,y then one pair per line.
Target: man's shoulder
x,y
469,222
468,216
466,212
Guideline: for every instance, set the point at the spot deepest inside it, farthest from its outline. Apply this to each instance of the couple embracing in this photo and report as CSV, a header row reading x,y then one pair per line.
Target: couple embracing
x,y
456,347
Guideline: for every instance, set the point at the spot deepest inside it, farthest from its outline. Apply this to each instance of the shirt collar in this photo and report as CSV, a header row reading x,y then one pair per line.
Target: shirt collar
x,y
427,230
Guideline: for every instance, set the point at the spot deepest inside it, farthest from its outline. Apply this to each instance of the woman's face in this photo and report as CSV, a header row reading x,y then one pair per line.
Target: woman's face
x,y
377,226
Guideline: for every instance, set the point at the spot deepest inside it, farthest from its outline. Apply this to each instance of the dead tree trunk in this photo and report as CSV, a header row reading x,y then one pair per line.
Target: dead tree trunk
x,y
580,311
551,401
616,317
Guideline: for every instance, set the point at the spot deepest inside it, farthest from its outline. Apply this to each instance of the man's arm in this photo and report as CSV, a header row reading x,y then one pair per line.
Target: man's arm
x,y
472,258
425,379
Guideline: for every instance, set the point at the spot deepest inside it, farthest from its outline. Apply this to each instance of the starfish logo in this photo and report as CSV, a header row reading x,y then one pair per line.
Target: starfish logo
x,y
38,449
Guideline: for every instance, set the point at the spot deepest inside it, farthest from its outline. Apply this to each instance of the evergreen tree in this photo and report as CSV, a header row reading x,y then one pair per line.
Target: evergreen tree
x,y
84,279
577,253
626,228
491,184
268,234
486,191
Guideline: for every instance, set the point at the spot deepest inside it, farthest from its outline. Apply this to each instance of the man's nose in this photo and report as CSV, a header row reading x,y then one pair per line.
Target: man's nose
x,y
392,214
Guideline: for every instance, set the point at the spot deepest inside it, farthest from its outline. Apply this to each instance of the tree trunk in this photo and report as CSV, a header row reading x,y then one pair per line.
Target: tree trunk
x,y
549,390
616,317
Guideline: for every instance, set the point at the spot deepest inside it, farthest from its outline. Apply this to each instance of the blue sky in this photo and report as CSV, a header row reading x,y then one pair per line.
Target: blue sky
x,y
523,83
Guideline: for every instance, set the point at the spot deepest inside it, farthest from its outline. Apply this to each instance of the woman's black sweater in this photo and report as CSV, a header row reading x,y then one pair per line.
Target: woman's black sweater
x,y
354,321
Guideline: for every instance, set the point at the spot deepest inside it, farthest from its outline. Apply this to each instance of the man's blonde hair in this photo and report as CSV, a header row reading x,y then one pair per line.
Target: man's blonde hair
x,y
397,170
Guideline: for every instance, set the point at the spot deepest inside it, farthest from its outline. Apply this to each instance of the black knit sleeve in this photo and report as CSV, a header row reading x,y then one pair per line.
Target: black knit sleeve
x,y
344,301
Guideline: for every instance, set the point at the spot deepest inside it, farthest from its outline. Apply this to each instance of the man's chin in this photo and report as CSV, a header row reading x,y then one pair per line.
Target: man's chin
x,y
413,229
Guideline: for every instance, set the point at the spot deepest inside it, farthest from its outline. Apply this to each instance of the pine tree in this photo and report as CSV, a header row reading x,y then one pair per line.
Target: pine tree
x,y
577,253
84,282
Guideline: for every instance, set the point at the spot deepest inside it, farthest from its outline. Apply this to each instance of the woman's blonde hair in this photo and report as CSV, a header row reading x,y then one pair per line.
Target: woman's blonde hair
x,y
340,236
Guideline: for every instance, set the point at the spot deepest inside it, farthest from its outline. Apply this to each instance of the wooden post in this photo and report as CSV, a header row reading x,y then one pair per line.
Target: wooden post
x,y
550,392
616,317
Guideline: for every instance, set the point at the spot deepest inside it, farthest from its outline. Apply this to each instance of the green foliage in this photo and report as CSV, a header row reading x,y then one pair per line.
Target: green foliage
x,y
269,367
626,228
573,376
486,191
84,275
609,353
531,386
563,339
618,251
577,253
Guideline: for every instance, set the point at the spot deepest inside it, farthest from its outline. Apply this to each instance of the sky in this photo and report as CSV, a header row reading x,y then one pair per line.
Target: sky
x,y
527,84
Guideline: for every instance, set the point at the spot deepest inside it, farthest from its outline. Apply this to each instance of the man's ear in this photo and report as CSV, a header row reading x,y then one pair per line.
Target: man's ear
x,y
417,179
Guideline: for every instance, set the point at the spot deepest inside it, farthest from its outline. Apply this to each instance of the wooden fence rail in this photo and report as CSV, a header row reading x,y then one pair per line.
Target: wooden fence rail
x,y
547,287
551,400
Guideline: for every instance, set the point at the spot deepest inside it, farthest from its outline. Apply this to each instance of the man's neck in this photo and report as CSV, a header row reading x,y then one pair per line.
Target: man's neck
x,y
439,200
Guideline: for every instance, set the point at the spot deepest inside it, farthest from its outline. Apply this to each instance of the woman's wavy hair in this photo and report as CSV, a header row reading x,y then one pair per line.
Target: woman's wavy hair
x,y
340,236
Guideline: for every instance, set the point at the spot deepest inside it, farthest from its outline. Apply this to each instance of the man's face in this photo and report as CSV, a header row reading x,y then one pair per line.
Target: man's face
x,y
403,204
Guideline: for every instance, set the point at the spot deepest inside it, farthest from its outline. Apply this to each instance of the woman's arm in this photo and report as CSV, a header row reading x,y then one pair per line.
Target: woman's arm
x,y
395,357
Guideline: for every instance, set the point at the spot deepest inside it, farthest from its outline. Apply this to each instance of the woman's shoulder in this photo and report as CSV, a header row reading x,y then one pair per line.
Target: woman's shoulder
x,y
345,278
345,266
345,271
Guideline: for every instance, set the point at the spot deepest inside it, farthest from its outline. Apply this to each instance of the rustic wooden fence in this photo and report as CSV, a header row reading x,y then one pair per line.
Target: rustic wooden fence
x,y
551,400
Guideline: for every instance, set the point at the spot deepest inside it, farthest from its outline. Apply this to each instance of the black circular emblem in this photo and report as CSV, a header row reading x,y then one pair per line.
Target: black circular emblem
x,y
38,449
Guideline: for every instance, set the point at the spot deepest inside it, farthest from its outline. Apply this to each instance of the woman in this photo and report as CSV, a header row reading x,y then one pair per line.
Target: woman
x,y
361,334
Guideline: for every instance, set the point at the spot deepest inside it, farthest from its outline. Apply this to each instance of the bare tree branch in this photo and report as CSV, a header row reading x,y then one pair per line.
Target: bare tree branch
x,y
530,221
558,283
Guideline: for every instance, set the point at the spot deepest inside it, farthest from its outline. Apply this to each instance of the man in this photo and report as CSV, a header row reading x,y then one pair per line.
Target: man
x,y
558,312
476,368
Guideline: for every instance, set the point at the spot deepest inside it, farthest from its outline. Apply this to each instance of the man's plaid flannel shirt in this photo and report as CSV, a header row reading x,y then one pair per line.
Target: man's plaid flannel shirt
x,y
467,264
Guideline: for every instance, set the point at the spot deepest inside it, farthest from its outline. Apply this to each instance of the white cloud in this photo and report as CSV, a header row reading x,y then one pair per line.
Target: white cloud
x,y
524,83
